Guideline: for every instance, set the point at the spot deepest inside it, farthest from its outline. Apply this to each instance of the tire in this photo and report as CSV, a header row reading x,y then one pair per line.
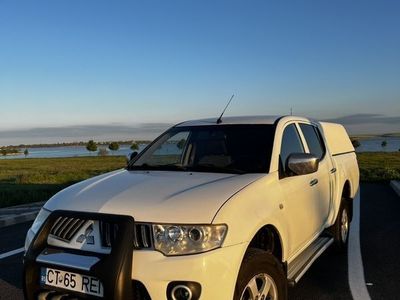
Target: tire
x,y
259,270
341,229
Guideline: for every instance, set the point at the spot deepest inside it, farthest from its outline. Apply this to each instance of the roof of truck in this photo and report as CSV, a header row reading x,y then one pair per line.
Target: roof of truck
x,y
238,120
233,120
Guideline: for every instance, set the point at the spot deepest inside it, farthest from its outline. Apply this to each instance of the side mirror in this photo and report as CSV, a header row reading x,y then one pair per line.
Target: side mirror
x,y
133,155
302,163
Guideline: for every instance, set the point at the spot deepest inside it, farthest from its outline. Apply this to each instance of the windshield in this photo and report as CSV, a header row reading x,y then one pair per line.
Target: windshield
x,y
235,149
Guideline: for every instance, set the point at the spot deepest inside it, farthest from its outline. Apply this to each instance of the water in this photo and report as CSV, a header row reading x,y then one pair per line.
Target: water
x,y
70,151
375,144
367,145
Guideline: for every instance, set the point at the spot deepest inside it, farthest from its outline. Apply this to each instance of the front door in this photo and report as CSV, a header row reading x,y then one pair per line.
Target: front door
x,y
300,207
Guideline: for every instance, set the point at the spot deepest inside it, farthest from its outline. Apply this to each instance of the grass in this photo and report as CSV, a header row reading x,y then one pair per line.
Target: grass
x,y
37,179
379,166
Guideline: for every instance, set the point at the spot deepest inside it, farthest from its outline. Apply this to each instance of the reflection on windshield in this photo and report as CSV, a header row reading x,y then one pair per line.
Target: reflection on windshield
x,y
234,149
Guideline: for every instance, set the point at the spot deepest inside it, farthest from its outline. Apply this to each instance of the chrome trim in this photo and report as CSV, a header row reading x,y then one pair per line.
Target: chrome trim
x,y
70,260
302,163
308,265
144,236
181,286
135,238
65,228
298,267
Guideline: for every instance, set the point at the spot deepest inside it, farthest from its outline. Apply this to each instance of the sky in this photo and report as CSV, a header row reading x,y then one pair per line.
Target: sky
x,y
128,64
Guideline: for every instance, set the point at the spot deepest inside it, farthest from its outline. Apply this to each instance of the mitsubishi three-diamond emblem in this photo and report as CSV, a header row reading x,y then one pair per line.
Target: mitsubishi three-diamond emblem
x,y
86,236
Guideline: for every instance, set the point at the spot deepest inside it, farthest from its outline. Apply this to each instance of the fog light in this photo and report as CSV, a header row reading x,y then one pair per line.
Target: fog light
x,y
181,292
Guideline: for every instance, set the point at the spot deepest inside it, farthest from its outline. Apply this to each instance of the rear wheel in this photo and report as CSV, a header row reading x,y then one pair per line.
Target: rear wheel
x,y
341,228
261,277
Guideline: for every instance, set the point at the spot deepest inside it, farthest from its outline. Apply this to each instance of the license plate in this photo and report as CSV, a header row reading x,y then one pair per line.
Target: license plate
x,y
71,281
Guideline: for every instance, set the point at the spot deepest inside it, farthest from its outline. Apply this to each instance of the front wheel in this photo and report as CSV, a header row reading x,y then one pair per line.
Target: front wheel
x,y
261,277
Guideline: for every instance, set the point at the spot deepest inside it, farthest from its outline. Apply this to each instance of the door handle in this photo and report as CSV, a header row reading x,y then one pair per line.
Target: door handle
x,y
313,182
333,170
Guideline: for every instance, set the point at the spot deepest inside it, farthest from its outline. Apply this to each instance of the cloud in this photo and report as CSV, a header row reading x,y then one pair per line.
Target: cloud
x,y
365,119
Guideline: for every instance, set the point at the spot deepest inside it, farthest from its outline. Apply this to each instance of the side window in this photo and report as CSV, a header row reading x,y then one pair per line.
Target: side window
x,y
291,143
314,140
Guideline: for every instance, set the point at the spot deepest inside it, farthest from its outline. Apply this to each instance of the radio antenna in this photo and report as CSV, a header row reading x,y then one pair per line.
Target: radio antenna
x,y
219,120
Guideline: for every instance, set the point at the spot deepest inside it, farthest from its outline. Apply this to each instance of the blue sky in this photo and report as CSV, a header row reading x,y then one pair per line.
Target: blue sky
x,y
74,62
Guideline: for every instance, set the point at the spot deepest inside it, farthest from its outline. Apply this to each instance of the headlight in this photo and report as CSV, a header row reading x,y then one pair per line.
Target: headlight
x,y
187,239
40,219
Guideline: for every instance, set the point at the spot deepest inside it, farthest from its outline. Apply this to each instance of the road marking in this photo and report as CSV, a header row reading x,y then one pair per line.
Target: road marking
x,y
11,253
355,265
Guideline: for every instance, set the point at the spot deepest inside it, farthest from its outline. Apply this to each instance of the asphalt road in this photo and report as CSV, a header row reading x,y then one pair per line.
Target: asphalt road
x,y
326,279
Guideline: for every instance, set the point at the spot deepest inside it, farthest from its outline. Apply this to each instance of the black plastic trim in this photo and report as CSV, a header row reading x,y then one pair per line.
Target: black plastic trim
x,y
113,270
343,153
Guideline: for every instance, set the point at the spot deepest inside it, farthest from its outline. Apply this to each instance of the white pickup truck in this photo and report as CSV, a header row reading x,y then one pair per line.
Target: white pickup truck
x,y
237,209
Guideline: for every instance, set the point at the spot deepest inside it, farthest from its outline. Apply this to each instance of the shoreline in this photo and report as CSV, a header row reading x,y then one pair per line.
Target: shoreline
x,y
375,136
75,144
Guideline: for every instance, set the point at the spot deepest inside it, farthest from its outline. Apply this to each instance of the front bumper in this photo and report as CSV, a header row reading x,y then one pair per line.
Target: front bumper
x,y
216,271
113,270
120,271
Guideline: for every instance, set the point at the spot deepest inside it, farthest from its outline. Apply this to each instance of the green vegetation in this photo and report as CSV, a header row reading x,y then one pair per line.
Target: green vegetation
x,y
356,143
114,146
9,151
66,144
379,166
374,136
26,152
135,146
91,146
384,144
37,179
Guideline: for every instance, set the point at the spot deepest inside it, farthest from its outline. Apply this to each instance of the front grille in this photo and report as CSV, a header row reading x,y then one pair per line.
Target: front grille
x,y
65,228
108,233
142,236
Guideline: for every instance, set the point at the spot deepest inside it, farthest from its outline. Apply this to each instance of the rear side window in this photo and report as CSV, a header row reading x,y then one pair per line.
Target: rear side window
x,y
313,139
291,143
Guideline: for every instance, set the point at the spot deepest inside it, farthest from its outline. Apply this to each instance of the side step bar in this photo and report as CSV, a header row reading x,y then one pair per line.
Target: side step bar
x,y
303,262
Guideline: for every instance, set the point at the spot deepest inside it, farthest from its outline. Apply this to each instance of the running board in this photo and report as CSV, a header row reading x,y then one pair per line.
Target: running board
x,y
303,262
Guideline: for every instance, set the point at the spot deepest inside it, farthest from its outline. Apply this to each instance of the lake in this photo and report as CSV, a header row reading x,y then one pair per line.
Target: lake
x,y
367,145
375,144
71,151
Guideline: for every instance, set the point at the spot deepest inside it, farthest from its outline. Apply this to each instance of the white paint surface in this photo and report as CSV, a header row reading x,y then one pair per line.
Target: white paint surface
x,y
355,265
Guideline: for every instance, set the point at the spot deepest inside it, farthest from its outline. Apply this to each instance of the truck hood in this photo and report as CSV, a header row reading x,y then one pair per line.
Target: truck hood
x,y
153,196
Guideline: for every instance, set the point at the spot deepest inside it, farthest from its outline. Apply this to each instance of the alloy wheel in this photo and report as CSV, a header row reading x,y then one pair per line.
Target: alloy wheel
x,y
260,287
344,226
